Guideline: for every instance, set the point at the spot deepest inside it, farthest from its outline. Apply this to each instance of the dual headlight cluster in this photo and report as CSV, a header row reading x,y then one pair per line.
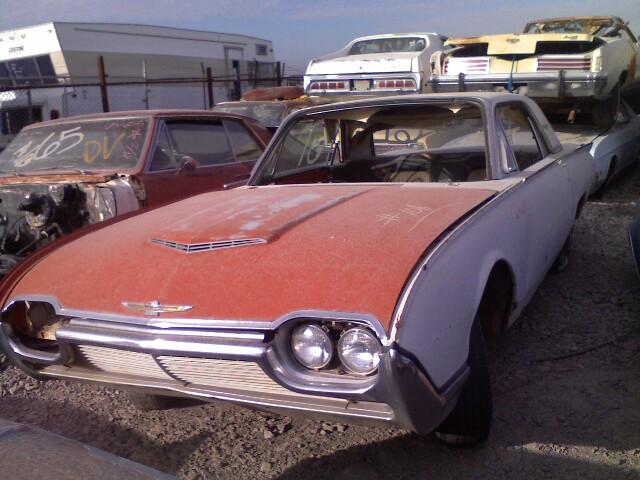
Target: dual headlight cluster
x,y
316,347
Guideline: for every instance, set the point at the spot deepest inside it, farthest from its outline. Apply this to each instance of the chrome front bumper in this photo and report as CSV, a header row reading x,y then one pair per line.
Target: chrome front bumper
x,y
235,366
558,84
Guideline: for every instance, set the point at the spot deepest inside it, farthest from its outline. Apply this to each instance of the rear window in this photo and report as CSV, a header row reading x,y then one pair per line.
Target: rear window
x,y
386,45
87,145
269,114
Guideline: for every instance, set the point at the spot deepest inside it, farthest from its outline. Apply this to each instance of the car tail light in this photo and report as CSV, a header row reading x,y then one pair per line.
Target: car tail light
x,y
466,65
336,85
550,63
395,84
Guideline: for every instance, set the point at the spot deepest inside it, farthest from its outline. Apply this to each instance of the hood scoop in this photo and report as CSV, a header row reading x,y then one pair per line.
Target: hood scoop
x,y
207,246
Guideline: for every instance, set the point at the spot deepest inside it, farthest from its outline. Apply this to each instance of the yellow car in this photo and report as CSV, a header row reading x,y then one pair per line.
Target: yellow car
x,y
581,61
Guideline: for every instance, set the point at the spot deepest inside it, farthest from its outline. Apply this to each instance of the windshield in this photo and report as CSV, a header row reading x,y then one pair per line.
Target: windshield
x,y
588,26
86,145
427,143
385,45
269,114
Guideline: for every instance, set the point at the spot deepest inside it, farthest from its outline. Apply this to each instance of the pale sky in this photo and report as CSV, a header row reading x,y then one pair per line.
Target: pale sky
x,y
302,30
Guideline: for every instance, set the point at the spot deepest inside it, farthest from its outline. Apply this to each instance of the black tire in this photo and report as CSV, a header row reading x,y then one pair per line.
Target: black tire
x,y
469,423
603,112
146,403
562,261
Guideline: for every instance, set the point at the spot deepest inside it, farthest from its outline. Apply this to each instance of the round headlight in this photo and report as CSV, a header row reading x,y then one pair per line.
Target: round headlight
x,y
359,351
311,346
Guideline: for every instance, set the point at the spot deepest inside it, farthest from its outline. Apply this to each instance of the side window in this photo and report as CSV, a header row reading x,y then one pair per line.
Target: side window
x,y
207,143
308,143
243,144
163,157
517,126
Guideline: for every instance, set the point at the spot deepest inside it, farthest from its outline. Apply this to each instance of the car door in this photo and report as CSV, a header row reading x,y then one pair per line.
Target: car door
x,y
195,156
543,200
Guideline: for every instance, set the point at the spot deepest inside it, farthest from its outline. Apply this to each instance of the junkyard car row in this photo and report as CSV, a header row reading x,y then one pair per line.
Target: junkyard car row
x,y
61,175
355,276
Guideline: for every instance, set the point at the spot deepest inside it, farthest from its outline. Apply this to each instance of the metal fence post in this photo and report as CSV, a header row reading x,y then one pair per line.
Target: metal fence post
x,y
102,78
278,75
29,107
210,87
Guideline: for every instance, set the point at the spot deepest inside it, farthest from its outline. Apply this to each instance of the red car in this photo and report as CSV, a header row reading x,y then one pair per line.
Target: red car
x,y
58,176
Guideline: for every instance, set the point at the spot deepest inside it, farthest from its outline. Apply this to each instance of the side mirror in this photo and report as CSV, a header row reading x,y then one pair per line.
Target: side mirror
x,y
622,119
186,164
238,181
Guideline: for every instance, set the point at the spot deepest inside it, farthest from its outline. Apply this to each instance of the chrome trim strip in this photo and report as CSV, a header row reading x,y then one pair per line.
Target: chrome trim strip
x,y
151,343
570,76
213,334
198,323
207,246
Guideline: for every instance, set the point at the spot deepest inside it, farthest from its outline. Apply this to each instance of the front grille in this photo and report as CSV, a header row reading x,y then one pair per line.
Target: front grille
x,y
549,64
112,360
471,65
232,374
201,247
205,372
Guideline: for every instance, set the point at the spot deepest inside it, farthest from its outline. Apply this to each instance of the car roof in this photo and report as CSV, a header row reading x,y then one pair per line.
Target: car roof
x,y
563,19
159,113
483,97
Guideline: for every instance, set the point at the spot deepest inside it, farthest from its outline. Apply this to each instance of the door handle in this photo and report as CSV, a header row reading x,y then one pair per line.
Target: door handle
x,y
562,163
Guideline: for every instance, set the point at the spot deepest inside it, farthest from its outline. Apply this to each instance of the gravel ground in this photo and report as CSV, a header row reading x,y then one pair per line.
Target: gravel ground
x,y
566,385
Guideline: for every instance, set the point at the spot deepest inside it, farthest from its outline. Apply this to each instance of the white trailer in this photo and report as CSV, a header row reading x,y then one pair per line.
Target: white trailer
x,y
51,68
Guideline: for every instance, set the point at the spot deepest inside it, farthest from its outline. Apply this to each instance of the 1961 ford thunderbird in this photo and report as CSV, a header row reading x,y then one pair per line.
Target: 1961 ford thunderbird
x,y
355,277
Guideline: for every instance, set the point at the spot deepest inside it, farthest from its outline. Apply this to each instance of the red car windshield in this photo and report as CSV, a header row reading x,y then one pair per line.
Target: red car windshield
x,y
113,144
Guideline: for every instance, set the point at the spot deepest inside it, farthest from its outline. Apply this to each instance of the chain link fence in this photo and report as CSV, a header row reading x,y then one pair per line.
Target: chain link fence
x,y
25,104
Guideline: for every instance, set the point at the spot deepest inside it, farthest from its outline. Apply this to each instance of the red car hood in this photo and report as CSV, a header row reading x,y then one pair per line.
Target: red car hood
x,y
347,248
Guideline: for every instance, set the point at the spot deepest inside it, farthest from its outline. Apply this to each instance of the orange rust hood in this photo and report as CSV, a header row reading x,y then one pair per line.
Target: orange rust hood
x,y
347,248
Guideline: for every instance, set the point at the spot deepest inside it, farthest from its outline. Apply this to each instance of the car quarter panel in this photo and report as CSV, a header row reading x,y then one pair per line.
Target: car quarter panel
x,y
525,226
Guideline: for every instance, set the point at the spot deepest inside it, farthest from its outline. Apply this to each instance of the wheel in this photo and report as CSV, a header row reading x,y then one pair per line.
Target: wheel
x,y
562,261
146,403
469,423
603,112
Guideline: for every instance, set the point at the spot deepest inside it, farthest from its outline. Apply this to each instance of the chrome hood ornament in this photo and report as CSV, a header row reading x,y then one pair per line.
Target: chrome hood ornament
x,y
155,308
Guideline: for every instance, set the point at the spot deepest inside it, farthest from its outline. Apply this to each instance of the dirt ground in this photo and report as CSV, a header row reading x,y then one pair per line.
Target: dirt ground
x,y
566,383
